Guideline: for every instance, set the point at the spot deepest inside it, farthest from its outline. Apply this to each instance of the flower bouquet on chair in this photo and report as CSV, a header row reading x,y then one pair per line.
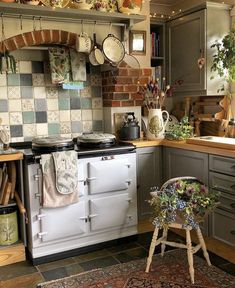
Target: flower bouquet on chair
x,y
184,200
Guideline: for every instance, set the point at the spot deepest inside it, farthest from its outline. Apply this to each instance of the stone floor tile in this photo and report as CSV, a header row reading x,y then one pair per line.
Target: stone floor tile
x,y
99,263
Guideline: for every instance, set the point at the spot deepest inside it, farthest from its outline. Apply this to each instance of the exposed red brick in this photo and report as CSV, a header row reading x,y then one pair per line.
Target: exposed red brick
x,y
124,80
19,40
123,64
55,36
141,80
111,103
64,37
127,103
2,47
123,72
107,96
121,96
104,81
130,88
47,36
10,44
146,72
28,38
38,37
134,72
72,39
137,96
138,103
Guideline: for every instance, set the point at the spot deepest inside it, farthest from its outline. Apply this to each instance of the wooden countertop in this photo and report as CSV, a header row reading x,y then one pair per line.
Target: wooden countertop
x,y
183,145
11,157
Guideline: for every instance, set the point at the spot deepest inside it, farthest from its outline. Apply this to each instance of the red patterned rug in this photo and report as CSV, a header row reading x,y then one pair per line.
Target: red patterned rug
x,y
171,271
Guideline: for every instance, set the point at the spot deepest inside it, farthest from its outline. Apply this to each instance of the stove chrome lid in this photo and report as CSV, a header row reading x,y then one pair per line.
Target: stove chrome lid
x,y
51,141
96,138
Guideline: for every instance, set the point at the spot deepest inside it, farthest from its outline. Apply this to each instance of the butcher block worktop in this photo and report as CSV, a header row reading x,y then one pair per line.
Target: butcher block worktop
x,y
219,150
11,157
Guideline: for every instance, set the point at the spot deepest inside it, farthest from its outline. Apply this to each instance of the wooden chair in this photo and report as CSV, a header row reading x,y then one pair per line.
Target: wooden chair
x,y
178,224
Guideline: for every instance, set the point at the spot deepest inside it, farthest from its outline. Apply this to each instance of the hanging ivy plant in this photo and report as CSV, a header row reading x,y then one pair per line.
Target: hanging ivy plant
x,y
224,59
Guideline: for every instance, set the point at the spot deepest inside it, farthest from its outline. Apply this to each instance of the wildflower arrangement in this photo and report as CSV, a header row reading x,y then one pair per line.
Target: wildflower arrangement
x,y
184,199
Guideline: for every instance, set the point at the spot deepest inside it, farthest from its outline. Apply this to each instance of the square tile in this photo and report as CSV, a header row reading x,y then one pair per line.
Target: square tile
x,y
26,80
37,67
42,129
27,104
3,79
65,127
16,130
97,125
96,91
47,67
3,105
53,129
13,79
25,66
97,103
5,118
74,93
16,118
86,115
16,139
29,130
52,104
88,80
86,103
51,92
14,105
64,116
41,117
76,127
96,80
76,115
64,103
3,92
75,103
28,117
86,92
53,116
26,92
39,92
40,104
38,79
63,93
13,92
97,114
87,126
95,69
48,81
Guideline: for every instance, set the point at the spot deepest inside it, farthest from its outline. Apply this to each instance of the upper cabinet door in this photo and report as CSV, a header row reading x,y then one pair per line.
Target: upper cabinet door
x,y
186,38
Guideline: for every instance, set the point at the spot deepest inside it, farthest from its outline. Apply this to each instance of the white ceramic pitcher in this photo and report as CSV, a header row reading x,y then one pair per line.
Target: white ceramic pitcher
x,y
156,124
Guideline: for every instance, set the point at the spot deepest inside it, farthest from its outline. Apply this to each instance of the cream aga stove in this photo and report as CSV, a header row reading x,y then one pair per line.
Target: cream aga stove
x,y
107,207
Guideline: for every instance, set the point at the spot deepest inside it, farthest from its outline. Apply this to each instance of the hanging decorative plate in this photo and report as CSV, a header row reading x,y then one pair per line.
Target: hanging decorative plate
x,y
113,49
55,3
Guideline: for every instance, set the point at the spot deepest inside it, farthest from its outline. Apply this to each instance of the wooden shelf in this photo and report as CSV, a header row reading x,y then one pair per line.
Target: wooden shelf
x,y
67,14
11,157
12,254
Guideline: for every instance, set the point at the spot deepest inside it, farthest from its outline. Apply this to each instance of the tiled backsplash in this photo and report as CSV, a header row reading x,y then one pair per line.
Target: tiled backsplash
x,y
30,105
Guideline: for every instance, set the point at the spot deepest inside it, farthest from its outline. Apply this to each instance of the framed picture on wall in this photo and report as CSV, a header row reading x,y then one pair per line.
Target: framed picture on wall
x,y
137,42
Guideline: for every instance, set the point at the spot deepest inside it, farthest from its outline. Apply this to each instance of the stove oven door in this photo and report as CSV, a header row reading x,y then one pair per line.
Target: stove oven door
x,y
108,174
62,222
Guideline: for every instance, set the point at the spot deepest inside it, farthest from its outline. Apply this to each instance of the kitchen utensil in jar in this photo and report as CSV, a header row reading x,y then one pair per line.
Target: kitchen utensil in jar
x,y
96,57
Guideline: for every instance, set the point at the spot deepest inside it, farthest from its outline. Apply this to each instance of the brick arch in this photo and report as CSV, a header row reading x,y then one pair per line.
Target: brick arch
x,y
39,37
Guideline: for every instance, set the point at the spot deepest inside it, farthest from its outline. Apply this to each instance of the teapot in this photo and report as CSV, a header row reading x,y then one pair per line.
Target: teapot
x,y
130,129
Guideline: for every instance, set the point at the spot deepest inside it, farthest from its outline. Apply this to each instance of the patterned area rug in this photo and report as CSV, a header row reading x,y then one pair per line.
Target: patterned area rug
x,y
171,271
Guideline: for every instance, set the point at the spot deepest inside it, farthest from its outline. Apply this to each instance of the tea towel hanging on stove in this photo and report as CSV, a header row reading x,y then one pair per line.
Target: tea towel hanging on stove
x,y
78,65
51,198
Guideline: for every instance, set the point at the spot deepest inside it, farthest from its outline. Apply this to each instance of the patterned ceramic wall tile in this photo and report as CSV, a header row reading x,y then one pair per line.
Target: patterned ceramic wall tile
x,y
97,125
28,117
64,103
25,66
63,93
38,80
96,103
51,92
96,91
76,127
40,104
37,67
29,130
13,92
41,117
16,130
53,129
86,115
39,92
86,92
75,103
27,104
86,103
96,80
87,126
3,92
26,80
3,105
74,93
53,116
52,104
65,127
3,79
26,92
13,79
16,118
17,139
64,116
97,114
5,118
48,81
76,115
14,105
42,129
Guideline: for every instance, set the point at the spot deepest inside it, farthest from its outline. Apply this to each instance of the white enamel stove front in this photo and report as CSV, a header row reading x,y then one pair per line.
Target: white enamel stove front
x,y
107,208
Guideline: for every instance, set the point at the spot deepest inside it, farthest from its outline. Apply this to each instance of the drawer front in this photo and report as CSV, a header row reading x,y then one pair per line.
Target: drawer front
x,y
223,226
222,164
222,183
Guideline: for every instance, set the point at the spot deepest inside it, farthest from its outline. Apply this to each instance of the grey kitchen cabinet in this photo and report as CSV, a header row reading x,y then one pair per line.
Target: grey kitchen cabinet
x,y
189,38
149,173
222,178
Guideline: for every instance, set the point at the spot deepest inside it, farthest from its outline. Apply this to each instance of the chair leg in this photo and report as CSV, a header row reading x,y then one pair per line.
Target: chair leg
x,y
163,245
203,245
151,249
190,255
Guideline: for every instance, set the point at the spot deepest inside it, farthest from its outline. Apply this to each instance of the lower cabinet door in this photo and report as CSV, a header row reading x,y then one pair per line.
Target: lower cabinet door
x,y
110,212
60,223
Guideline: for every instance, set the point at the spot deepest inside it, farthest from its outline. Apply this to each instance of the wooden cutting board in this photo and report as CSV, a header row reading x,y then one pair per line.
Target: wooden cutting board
x,y
7,193
4,182
12,176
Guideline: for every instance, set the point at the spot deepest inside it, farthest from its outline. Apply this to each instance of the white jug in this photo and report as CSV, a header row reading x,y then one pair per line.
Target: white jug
x,y
156,124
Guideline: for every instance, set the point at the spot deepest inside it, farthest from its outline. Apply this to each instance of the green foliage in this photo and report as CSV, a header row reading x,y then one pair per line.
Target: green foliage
x,y
180,131
224,59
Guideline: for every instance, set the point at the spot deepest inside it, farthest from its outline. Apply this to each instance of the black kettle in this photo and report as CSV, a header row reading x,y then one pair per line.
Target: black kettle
x,y
130,129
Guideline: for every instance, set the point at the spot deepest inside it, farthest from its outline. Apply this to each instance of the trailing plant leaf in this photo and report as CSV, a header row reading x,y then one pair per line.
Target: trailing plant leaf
x,y
180,131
